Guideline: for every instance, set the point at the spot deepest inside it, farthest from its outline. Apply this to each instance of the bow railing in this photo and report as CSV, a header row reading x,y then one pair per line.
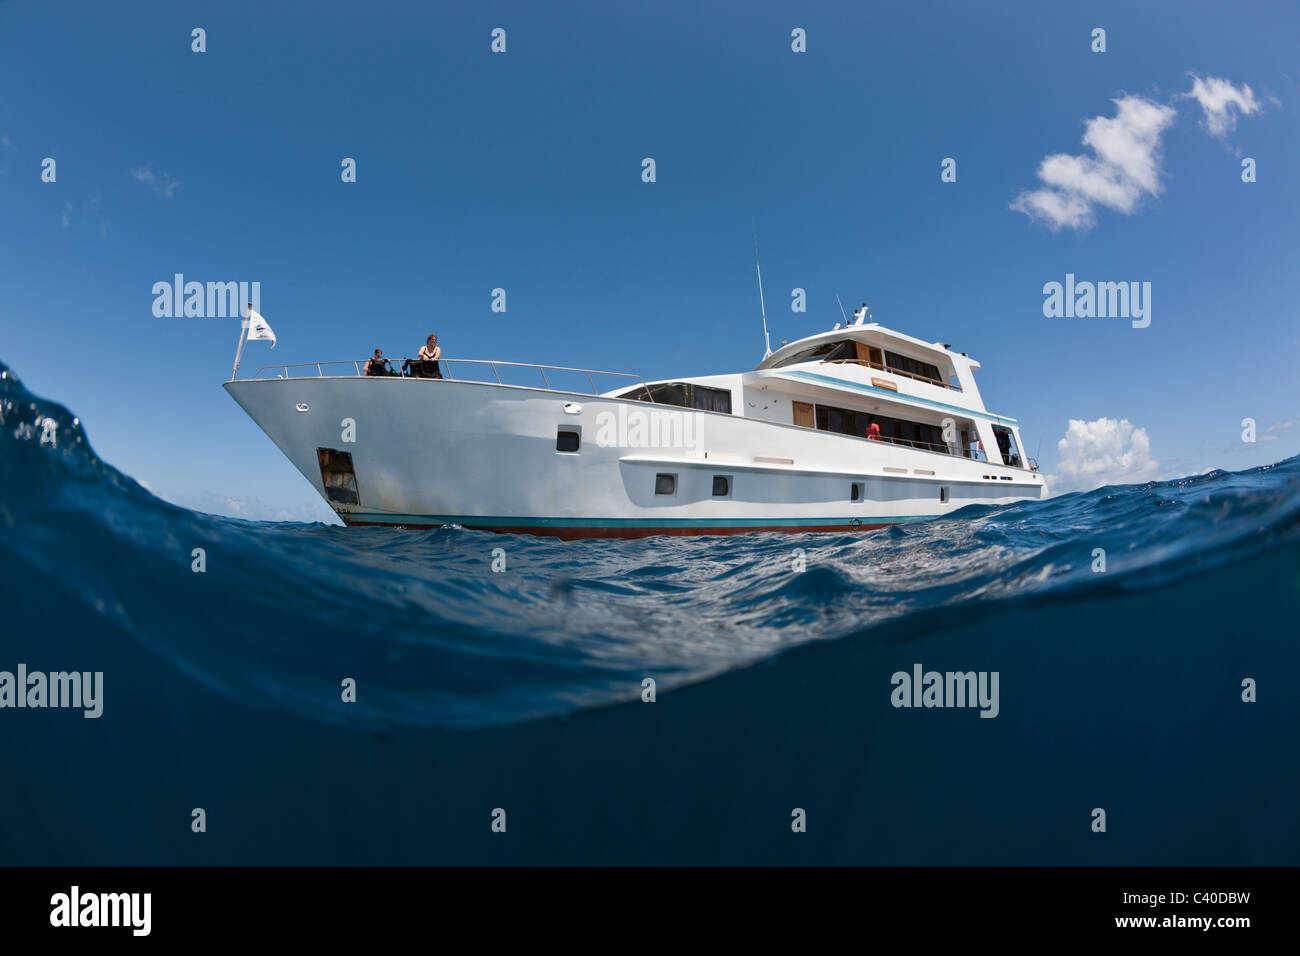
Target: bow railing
x,y
490,371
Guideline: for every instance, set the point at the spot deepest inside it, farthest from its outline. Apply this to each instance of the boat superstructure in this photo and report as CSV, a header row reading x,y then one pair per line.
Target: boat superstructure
x,y
788,446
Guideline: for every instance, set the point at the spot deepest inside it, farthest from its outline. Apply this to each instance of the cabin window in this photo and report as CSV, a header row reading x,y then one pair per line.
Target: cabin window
x,y
567,440
826,352
844,421
721,486
662,393
943,495
904,363
711,399
683,395
1007,446
856,491
665,484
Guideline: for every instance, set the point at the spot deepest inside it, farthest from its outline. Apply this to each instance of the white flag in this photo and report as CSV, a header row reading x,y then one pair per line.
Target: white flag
x,y
258,329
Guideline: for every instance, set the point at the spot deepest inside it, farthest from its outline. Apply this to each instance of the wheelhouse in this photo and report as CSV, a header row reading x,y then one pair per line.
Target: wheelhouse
x,y
854,350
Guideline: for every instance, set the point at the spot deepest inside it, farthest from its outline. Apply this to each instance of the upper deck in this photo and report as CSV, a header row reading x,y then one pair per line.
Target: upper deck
x,y
872,346
866,361
859,380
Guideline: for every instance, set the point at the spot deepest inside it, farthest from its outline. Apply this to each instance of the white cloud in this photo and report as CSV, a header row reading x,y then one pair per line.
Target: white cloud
x,y
1221,101
1275,427
1102,452
161,182
1124,165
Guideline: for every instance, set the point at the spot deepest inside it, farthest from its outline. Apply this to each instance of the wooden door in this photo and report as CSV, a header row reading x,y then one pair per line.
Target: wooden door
x,y
803,415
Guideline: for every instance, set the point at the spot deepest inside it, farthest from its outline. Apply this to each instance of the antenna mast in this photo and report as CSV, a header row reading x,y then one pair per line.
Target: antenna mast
x,y
846,318
767,342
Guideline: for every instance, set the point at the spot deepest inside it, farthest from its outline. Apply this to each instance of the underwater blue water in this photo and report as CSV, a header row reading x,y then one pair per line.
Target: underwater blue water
x,y
521,689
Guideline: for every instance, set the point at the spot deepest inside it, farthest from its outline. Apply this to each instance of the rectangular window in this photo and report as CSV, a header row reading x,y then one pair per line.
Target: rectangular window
x,y
943,494
844,350
683,395
665,484
567,440
662,393
899,431
711,399
856,491
904,363
721,486
1007,446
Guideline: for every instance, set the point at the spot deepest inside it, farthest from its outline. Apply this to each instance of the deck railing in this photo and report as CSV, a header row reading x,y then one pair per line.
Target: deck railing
x,y
955,450
495,367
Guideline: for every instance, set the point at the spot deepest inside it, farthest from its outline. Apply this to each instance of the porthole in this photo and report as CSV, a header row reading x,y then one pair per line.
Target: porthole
x,y
567,440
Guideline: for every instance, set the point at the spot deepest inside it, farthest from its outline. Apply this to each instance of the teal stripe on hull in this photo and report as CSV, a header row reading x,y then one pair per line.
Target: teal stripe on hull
x,y
508,522
890,393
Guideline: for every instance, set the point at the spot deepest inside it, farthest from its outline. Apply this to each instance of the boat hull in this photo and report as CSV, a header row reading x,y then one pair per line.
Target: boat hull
x,y
430,452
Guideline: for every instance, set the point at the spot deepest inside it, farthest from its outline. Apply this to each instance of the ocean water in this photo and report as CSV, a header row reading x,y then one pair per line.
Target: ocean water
x,y
772,657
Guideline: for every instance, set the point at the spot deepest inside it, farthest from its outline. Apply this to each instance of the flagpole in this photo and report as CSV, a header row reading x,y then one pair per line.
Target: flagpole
x,y
243,330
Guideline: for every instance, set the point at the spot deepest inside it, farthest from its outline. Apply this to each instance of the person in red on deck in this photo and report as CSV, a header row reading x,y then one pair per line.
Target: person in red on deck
x,y
873,432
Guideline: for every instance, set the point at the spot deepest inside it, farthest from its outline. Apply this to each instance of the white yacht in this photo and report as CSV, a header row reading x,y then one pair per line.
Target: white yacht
x,y
850,429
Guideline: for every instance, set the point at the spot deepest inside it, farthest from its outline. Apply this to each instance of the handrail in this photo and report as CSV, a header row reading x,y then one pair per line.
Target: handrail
x,y
316,365
356,365
936,447
893,371
913,443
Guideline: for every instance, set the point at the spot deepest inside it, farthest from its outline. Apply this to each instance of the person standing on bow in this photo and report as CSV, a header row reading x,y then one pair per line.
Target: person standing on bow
x,y
430,352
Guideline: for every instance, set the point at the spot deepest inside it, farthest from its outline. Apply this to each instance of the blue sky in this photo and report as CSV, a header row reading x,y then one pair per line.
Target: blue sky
x,y
522,171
